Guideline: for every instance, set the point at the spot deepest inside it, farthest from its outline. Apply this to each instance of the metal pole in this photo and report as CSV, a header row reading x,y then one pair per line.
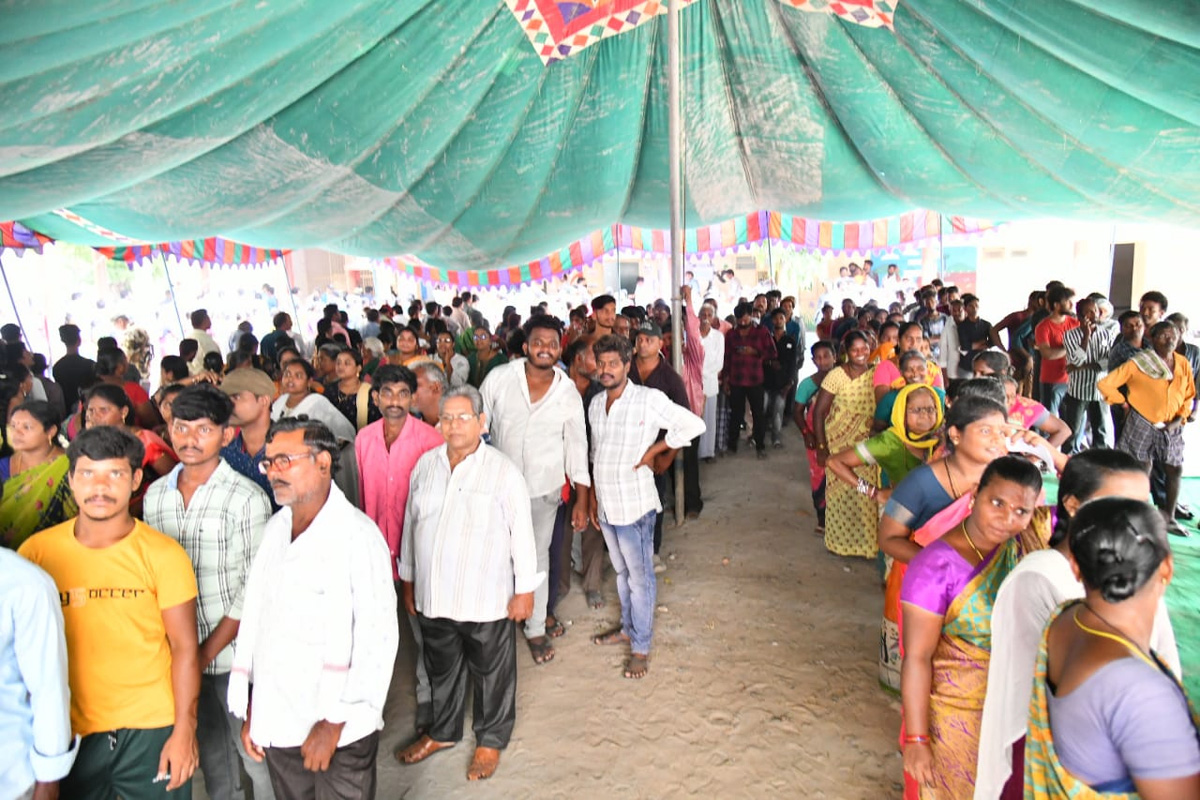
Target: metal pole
x,y
174,301
675,155
13,301
941,249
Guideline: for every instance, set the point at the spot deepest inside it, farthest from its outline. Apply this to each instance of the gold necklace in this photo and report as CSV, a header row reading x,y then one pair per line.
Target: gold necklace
x,y
967,536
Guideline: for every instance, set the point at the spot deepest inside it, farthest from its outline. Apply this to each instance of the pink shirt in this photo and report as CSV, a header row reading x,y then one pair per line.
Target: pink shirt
x,y
383,475
693,361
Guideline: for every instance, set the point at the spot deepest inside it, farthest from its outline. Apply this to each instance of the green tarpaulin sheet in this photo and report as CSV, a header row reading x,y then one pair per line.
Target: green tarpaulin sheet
x,y
479,133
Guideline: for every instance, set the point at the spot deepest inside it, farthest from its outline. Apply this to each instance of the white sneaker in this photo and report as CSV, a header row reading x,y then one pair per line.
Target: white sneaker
x,y
659,566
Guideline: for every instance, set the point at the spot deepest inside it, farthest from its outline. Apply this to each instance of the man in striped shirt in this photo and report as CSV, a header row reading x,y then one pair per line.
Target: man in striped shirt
x,y
1088,348
218,516
626,452
468,570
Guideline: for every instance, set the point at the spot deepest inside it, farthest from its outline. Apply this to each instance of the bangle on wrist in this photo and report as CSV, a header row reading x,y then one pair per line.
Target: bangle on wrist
x,y
916,739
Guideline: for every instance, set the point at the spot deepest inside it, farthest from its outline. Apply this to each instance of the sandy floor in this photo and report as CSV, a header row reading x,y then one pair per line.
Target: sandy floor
x,y
762,682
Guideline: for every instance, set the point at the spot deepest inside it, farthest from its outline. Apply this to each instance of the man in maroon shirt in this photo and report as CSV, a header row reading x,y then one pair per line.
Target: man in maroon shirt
x,y
747,348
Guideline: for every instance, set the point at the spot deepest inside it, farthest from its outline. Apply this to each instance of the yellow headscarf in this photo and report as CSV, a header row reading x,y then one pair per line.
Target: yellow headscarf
x,y
899,411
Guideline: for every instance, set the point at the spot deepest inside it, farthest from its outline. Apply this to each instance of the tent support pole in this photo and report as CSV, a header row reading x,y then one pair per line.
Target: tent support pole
x,y
174,301
675,126
13,300
941,249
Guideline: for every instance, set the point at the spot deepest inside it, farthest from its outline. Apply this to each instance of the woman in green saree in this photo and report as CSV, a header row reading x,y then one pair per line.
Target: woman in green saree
x,y
36,493
947,599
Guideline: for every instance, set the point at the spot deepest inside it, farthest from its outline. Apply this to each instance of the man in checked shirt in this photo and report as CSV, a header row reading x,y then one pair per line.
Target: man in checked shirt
x,y
625,423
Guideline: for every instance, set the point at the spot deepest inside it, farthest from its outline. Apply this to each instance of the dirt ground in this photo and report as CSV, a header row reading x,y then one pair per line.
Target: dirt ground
x,y
762,680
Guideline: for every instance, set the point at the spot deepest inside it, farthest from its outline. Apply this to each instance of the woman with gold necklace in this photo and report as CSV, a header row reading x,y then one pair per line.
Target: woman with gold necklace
x,y
36,493
1108,719
947,600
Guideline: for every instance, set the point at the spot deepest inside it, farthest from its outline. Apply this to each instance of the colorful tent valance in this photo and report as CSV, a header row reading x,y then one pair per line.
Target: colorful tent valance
x,y
214,250
17,237
855,238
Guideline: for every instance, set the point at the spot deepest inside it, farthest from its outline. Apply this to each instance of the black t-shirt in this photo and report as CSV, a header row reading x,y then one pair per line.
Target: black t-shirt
x,y
75,374
968,333
779,377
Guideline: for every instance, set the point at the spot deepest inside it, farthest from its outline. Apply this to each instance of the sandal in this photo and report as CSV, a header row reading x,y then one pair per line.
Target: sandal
x,y
541,649
614,636
637,666
555,629
595,599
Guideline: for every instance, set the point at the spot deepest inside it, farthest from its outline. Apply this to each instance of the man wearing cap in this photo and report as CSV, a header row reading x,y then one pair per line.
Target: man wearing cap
x,y
252,392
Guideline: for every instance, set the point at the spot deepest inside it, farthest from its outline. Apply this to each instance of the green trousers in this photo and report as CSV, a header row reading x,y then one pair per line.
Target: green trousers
x,y
121,764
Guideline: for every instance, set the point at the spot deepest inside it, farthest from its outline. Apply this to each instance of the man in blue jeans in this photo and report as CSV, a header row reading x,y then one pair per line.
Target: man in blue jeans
x,y
625,421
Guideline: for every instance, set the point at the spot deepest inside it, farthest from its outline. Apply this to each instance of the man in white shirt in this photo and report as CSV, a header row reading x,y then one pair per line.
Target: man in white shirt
x,y
625,422
535,417
468,569
318,635
201,325
714,359
218,516
34,700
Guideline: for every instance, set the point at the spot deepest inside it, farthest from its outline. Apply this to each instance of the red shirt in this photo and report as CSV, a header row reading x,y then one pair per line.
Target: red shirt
x,y
1048,332
744,355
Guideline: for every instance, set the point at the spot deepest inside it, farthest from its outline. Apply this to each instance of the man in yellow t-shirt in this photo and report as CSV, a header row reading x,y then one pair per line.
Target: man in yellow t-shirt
x,y
128,596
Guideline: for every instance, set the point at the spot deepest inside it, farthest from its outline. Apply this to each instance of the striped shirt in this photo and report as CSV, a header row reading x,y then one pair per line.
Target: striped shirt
x,y
468,542
1085,367
621,435
220,529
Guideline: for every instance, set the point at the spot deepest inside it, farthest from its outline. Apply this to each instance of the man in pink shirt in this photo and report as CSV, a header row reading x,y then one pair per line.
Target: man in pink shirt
x,y
387,450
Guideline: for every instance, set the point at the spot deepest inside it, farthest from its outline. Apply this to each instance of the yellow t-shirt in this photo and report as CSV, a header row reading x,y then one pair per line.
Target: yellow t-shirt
x,y
118,658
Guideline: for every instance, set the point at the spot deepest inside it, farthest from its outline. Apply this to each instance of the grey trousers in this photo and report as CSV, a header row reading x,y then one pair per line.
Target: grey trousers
x,y
351,773
543,509
219,739
424,693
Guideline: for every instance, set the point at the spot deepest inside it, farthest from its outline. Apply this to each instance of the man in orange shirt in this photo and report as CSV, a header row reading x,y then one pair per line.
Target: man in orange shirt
x,y
1160,388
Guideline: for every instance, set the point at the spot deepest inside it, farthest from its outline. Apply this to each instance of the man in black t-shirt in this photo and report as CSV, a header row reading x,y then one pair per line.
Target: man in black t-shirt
x,y
778,375
974,334
74,373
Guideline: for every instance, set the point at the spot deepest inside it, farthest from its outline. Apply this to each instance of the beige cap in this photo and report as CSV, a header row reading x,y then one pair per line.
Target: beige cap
x,y
248,380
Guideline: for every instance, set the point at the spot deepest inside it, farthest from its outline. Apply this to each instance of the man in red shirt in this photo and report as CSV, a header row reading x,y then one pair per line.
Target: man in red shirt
x,y
1048,336
747,348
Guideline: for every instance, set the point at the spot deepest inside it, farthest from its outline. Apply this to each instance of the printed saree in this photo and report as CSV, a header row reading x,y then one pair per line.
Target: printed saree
x,y
36,499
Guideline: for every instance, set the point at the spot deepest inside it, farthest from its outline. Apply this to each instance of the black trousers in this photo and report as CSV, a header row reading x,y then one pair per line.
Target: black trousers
x,y
487,652
351,773
738,396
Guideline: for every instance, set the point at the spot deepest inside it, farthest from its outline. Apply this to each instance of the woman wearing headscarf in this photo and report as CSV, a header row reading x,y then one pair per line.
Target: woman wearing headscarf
x,y
1108,719
947,599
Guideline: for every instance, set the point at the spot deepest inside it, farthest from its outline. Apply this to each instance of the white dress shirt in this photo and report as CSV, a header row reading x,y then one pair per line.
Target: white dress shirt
x,y
468,543
547,440
621,435
460,370
714,361
318,636
35,702
207,345
1026,600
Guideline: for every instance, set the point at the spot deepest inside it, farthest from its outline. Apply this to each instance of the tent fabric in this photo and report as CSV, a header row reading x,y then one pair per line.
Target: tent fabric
x,y
378,127
213,251
18,238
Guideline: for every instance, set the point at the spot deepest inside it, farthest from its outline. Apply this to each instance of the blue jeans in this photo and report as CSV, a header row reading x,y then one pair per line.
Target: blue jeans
x,y
1052,396
631,549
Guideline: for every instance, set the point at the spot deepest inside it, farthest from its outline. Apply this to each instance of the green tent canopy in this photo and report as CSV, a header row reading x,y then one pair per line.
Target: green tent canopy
x,y
482,133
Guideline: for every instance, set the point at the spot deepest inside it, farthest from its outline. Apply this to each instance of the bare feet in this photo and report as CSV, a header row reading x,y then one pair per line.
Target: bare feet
x,y
595,599
483,765
615,636
541,649
637,666
421,749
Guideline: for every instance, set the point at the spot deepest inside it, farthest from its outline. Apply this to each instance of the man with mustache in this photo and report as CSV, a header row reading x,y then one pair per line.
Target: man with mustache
x,y
218,516
387,450
748,347
535,417
318,635
625,422
129,612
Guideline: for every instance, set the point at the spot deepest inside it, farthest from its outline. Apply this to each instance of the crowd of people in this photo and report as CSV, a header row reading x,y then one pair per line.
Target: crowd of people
x,y
215,576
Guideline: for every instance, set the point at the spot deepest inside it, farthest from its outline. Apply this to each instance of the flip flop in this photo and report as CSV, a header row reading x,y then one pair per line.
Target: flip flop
x,y
595,599
556,630
636,666
541,650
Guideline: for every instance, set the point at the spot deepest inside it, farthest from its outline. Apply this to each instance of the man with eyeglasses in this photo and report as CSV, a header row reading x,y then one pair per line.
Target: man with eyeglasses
x,y
468,569
387,450
218,516
318,636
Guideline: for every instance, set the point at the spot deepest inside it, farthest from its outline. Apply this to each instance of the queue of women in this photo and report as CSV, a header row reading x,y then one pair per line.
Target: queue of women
x,y
1030,645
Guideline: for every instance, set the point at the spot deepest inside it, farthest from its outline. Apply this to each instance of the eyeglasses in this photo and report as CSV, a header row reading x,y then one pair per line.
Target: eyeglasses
x,y
446,419
283,462
925,411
